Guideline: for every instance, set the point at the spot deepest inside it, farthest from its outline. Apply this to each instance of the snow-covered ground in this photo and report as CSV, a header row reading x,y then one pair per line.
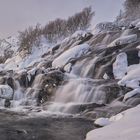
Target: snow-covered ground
x,y
126,128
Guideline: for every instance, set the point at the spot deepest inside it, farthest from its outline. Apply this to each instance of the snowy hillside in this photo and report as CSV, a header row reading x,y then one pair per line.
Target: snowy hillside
x,y
90,76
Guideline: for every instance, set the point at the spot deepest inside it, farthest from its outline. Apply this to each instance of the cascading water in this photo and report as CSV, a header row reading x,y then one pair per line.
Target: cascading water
x,y
77,92
87,70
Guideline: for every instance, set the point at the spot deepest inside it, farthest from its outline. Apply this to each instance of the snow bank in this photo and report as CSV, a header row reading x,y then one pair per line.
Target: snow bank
x,y
120,66
123,40
74,52
6,92
126,128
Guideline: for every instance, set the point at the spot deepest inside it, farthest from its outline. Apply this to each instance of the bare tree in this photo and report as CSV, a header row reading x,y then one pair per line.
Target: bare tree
x,y
132,9
29,37
54,30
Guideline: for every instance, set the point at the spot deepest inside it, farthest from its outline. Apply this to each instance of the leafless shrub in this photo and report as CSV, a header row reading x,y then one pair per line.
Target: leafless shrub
x,y
54,30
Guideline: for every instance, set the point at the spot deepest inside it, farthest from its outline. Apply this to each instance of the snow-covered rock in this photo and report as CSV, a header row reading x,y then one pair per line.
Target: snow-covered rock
x,y
134,23
79,33
9,44
6,92
102,122
120,66
1,67
123,40
131,94
74,52
104,27
126,128
138,25
132,79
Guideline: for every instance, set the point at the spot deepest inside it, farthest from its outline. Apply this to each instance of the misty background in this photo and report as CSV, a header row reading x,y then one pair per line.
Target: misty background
x,y
16,15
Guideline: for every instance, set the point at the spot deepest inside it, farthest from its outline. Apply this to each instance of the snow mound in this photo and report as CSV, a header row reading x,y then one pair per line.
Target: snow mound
x,y
102,122
120,66
74,52
127,128
123,40
6,92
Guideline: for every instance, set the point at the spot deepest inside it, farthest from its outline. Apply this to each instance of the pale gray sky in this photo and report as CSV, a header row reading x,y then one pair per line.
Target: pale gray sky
x,y
16,15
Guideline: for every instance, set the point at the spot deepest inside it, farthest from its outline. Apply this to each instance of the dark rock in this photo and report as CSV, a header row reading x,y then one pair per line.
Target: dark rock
x,y
79,108
132,57
7,103
2,80
133,101
105,111
10,82
23,79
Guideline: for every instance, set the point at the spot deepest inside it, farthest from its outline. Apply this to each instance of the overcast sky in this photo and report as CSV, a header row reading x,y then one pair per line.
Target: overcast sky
x,y
16,15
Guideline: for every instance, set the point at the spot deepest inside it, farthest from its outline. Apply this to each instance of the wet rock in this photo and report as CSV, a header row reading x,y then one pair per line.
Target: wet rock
x,y
10,82
45,64
7,103
46,85
106,111
111,110
133,57
55,48
79,108
23,79
55,77
133,101
2,80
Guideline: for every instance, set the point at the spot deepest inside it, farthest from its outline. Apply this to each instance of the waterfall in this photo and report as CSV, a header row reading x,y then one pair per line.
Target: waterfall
x,y
84,68
77,92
